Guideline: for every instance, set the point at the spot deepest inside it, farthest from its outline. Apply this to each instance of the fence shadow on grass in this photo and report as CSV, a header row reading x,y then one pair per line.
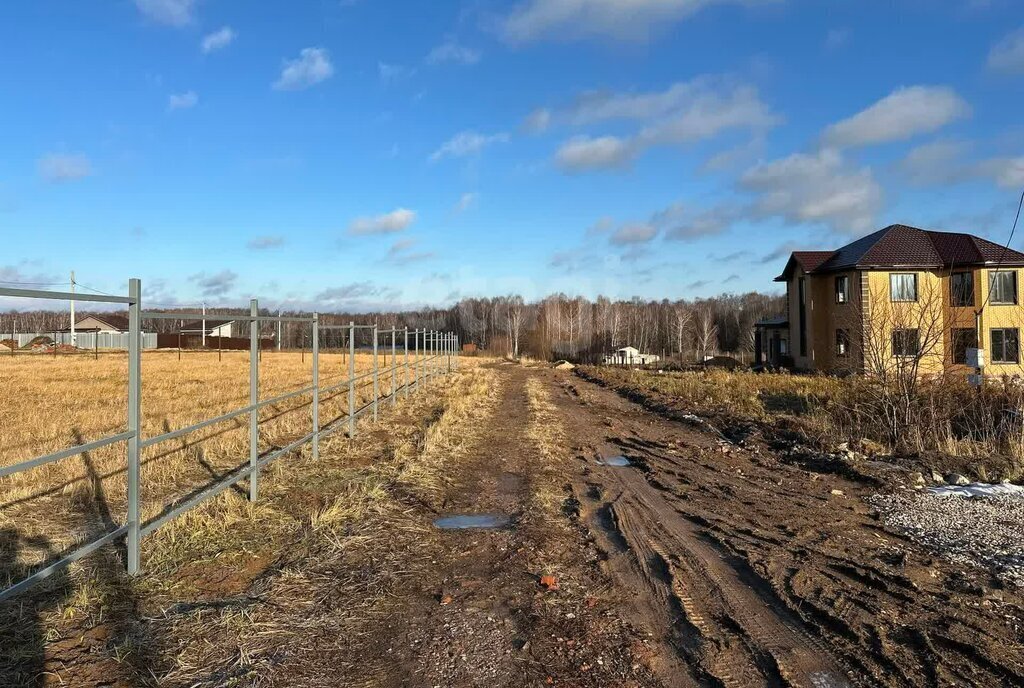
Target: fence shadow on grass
x,y
103,640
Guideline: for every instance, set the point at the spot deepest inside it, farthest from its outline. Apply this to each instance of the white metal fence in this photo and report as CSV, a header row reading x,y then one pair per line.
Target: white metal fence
x,y
84,340
430,355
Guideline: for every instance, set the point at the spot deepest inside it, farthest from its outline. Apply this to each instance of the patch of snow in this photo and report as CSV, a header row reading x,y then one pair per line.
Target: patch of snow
x,y
978,490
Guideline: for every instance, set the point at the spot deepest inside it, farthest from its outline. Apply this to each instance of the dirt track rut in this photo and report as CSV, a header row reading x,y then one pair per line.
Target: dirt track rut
x,y
724,624
751,570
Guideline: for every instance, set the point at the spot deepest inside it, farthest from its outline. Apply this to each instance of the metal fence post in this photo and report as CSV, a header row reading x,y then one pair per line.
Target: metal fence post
x,y
394,333
316,386
376,386
351,379
405,367
134,422
254,397
416,352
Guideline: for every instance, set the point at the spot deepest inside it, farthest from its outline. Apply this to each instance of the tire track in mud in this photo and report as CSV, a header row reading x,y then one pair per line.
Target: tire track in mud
x,y
744,634
801,539
720,618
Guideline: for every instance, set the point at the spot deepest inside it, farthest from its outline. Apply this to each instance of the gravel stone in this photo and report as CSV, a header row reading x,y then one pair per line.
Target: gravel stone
x,y
985,532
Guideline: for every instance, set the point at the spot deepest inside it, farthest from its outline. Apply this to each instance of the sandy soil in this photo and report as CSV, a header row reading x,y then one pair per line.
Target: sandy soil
x,y
704,562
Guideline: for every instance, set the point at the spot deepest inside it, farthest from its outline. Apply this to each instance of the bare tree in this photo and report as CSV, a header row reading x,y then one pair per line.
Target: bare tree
x,y
706,333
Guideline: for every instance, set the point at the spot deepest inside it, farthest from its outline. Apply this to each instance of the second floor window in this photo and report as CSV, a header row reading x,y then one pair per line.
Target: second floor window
x,y
905,343
1003,286
842,289
961,289
1004,346
903,286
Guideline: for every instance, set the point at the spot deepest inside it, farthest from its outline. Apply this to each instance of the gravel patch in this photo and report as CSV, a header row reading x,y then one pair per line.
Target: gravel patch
x,y
987,532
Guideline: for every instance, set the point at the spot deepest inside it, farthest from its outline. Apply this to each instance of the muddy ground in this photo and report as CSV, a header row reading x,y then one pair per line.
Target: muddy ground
x,y
704,562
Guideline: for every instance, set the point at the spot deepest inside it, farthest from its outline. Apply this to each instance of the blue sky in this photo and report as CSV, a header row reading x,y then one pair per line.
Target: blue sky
x,y
369,154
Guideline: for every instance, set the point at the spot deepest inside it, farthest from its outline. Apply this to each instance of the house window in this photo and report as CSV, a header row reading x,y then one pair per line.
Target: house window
x,y
842,343
905,343
784,347
842,289
961,286
1004,346
962,340
903,286
1003,287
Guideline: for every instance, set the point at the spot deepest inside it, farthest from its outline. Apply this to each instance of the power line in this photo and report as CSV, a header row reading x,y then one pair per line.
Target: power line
x,y
1002,254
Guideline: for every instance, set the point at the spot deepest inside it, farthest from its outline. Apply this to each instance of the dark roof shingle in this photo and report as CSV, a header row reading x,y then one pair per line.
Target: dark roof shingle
x,y
902,245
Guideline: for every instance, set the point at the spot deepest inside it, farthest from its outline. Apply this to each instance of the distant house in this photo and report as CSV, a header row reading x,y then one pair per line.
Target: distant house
x,y
104,324
771,341
214,328
629,355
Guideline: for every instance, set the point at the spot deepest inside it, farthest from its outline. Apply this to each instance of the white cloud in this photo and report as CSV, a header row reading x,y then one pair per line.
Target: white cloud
x,y
632,21
936,162
467,143
170,12
904,113
401,253
685,112
182,101
945,162
703,114
217,284
817,188
680,225
704,103
262,243
1007,173
633,233
60,167
465,202
312,66
217,40
537,121
388,223
451,51
582,153
1008,54
392,72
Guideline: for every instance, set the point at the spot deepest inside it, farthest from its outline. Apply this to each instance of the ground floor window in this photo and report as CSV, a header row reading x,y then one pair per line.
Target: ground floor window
x,y
1004,346
842,342
905,342
962,340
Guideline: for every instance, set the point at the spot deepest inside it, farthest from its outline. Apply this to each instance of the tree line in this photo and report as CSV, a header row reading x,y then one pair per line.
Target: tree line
x,y
558,326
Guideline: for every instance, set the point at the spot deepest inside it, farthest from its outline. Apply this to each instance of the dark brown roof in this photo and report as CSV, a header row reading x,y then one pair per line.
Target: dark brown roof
x,y
905,246
808,260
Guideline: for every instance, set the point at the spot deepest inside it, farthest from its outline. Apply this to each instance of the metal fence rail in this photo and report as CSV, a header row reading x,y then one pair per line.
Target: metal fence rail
x,y
83,340
432,354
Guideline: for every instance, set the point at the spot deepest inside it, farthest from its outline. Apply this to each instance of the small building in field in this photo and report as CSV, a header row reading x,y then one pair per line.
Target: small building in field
x,y
213,327
104,324
629,355
771,342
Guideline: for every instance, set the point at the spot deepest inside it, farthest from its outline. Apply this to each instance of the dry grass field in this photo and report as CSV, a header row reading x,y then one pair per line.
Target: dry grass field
x,y
952,424
49,403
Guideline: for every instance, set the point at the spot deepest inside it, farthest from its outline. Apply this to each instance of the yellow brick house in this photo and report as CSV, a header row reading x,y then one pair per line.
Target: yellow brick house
x,y
905,293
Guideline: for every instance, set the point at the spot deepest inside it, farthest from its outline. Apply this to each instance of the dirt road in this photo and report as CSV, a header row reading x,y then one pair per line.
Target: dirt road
x,y
703,562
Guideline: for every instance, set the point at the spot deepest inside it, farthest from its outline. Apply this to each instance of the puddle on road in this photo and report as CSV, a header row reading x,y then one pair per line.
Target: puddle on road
x,y
466,521
618,461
